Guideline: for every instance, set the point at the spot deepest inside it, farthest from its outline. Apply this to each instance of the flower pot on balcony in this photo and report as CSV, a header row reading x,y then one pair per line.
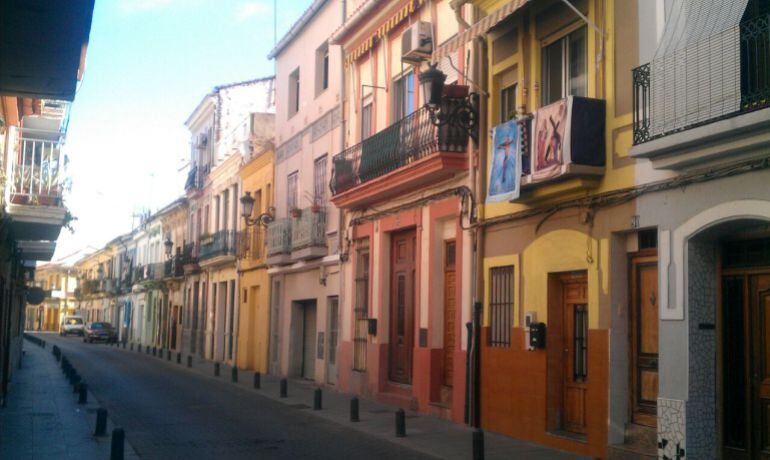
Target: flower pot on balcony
x,y
296,213
315,209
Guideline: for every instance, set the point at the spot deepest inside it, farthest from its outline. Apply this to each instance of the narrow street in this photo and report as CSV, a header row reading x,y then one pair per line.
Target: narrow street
x,y
171,412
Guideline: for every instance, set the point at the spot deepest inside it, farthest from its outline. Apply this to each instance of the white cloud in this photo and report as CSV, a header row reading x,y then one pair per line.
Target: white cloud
x,y
248,10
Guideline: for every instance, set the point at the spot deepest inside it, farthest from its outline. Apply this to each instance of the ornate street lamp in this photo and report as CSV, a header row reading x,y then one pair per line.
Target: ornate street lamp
x,y
247,206
169,245
456,112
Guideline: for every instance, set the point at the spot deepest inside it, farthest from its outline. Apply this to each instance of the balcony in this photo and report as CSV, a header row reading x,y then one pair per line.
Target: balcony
x,y
196,178
698,106
308,234
174,267
279,235
252,244
403,157
219,247
190,258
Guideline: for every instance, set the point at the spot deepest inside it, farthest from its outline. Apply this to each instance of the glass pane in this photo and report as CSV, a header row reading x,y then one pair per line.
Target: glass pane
x,y
409,102
577,63
508,104
552,72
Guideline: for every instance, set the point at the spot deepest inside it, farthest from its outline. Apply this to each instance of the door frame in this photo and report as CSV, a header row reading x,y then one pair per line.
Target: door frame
x,y
642,257
409,332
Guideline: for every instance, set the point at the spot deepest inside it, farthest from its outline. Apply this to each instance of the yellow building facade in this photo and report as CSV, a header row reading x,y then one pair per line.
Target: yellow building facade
x,y
254,313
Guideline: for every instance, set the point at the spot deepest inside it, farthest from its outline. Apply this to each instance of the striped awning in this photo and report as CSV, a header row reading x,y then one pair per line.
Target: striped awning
x,y
477,29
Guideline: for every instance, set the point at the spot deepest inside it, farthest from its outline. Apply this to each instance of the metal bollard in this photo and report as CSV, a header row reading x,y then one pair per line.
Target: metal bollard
x,y
189,361
478,444
117,444
147,349
400,423
354,410
101,422
83,393
75,380
124,345
284,388
131,346
216,369
257,380
154,351
168,355
234,374
317,395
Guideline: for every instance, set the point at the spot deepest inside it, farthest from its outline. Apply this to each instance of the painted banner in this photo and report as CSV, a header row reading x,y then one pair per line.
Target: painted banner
x,y
505,168
549,139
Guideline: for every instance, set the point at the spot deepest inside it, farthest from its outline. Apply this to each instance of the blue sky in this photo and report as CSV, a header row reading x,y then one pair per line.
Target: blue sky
x,y
148,65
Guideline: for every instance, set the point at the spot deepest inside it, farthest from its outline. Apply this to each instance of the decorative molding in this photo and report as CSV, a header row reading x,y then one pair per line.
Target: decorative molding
x,y
325,123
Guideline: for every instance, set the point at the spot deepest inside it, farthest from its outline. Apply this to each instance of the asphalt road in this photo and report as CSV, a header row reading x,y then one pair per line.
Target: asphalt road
x,y
169,412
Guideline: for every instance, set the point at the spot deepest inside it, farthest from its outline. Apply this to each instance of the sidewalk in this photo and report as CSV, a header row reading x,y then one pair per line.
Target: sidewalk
x,y
43,420
424,433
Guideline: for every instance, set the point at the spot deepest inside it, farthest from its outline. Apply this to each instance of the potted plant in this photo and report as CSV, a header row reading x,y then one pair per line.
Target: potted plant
x,y
315,202
296,213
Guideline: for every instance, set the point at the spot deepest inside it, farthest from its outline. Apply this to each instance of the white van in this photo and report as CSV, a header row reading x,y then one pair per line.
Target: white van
x,y
72,325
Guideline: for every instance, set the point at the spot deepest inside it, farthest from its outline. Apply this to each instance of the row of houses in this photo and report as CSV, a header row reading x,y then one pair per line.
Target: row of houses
x,y
546,218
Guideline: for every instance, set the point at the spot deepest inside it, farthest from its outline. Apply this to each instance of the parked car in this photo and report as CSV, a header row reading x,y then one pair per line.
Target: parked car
x,y
100,331
72,325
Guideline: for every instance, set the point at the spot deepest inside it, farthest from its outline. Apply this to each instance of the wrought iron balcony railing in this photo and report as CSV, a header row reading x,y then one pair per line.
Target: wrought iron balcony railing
x,y
221,243
190,254
672,94
410,139
196,178
279,237
252,243
36,173
174,267
309,229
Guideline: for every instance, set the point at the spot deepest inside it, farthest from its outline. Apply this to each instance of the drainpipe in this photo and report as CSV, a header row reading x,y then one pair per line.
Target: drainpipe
x,y
340,213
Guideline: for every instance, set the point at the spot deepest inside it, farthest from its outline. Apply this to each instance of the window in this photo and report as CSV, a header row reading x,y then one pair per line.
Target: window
x,y
294,92
366,121
580,358
292,191
500,306
508,103
225,208
403,97
564,67
361,308
319,178
322,69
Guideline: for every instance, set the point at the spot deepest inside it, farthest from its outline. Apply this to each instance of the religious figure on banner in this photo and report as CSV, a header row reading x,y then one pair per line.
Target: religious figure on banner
x,y
505,168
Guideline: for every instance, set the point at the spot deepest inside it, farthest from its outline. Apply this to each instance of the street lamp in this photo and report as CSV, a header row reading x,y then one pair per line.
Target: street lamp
x,y
453,111
169,245
247,206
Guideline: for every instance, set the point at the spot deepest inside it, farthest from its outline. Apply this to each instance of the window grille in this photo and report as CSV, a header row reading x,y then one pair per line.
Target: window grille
x,y
580,364
361,309
500,306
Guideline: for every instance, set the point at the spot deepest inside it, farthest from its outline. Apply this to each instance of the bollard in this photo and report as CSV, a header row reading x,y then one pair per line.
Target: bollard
x,y
179,357
234,374
101,422
216,369
400,423
154,351
317,399
257,380
75,380
124,345
116,447
284,388
189,361
147,349
131,346
83,393
354,410
478,444
168,355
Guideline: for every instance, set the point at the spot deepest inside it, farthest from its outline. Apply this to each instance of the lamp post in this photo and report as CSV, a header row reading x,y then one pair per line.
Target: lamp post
x,y
456,112
247,207
169,245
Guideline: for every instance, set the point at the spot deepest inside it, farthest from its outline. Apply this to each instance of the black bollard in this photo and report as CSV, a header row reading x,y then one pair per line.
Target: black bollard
x,y
400,423
284,388
257,380
478,444
116,447
131,346
75,380
234,374
154,351
354,410
179,357
147,349
216,369
168,355
101,422
82,393
317,405
189,361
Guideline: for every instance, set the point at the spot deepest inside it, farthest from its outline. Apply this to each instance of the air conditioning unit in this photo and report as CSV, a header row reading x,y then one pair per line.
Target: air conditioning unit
x,y
417,42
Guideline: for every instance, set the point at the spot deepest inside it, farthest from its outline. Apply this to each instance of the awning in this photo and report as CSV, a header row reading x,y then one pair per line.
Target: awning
x,y
479,28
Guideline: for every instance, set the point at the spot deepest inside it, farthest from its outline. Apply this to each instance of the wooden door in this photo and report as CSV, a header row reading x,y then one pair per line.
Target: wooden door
x,y
575,387
308,339
402,275
644,340
450,309
760,309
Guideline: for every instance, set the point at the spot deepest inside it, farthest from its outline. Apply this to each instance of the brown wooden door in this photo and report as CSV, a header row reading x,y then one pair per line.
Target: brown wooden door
x,y
450,309
575,301
402,275
644,339
760,306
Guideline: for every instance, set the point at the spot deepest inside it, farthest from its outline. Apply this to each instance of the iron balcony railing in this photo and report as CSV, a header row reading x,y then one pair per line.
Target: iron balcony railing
x,y
155,271
196,177
674,92
221,243
174,267
279,237
36,173
252,243
404,142
309,229
190,254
